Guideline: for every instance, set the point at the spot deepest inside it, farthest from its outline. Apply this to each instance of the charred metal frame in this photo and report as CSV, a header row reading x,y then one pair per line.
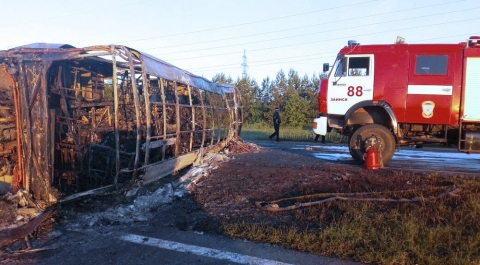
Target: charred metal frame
x,y
74,119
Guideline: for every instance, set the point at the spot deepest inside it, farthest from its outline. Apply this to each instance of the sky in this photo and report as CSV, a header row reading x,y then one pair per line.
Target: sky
x,y
206,37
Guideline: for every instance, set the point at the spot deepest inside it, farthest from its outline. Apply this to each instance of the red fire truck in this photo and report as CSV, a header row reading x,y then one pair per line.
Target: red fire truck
x,y
398,94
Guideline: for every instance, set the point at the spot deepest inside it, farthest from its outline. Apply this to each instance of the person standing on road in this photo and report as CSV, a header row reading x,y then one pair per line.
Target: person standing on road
x,y
317,136
276,124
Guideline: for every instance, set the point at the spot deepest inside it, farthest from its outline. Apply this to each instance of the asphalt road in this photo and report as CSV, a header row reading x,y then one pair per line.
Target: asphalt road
x,y
427,159
147,244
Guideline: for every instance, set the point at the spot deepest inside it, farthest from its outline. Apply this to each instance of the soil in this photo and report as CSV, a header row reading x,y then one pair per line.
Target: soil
x,y
224,188
229,193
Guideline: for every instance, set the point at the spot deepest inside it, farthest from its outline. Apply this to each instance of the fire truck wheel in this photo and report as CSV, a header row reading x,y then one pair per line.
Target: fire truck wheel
x,y
385,142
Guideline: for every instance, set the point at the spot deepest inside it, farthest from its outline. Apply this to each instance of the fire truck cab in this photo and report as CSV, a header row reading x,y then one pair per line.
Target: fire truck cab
x,y
398,94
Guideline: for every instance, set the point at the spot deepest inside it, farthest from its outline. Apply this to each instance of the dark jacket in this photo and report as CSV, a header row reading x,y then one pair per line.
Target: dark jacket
x,y
276,118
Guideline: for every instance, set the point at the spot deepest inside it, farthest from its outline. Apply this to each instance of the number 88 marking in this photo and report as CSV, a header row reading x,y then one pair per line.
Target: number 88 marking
x,y
352,91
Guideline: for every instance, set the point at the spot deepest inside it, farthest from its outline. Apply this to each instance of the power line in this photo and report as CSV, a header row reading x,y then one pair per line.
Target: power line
x,y
256,63
268,62
248,23
338,38
263,62
308,26
320,32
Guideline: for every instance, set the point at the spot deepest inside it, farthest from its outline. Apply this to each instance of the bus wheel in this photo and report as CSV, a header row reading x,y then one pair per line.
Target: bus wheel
x,y
385,143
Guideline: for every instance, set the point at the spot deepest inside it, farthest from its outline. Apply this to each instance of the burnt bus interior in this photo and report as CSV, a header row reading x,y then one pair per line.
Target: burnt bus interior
x,y
92,117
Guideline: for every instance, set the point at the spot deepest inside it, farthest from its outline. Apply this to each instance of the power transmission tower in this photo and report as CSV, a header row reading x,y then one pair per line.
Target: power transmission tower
x,y
244,65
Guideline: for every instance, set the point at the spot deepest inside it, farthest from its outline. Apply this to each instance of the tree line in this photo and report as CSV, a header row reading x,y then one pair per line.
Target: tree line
x,y
295,96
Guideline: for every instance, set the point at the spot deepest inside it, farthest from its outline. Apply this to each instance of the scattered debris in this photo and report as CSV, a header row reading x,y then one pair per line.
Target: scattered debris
x,y
287,204
10,235
139,210
240,147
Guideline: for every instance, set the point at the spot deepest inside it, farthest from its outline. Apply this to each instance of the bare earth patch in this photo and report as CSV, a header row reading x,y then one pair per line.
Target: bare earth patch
x,y
230,191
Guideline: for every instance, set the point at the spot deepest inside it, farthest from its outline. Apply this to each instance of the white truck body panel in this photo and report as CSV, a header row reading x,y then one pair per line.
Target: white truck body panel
x,y
472,90
320,125
430,90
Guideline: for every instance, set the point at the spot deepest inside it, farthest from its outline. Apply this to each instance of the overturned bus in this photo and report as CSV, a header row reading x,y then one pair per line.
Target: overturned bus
x,y
75,119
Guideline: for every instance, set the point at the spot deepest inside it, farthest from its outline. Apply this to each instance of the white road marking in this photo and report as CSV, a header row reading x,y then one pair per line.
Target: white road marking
x,y
201,251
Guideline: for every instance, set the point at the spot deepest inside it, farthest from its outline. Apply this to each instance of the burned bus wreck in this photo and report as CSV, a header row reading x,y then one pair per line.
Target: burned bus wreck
x,y
75,119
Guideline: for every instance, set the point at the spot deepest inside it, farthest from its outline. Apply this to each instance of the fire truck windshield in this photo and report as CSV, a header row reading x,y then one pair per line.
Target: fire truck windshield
x,y
340,67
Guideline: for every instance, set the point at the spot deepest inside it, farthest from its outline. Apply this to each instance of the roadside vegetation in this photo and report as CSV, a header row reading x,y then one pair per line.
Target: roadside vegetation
x,y
296,97
432,230
261,131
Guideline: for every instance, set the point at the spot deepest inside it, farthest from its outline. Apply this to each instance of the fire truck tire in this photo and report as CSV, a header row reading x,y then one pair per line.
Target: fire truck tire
x,y
385,142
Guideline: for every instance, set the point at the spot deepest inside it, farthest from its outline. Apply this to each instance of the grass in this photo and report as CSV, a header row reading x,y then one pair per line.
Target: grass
x,y
442,231
262,131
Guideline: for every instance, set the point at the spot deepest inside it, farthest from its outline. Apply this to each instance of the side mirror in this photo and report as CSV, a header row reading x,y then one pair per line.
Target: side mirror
x,y
326,67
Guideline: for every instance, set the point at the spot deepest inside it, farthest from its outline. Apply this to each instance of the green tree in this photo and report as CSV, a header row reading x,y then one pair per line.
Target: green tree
x,y
222,79
306,85
278,88
293,81
296,96
266,91
296,110
311,95
251,99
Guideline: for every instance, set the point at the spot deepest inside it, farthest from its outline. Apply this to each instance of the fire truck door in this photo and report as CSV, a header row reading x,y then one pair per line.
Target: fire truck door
x,y
430,88
350,83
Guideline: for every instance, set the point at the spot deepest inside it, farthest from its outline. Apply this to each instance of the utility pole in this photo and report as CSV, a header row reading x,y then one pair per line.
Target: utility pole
x,y
244,65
